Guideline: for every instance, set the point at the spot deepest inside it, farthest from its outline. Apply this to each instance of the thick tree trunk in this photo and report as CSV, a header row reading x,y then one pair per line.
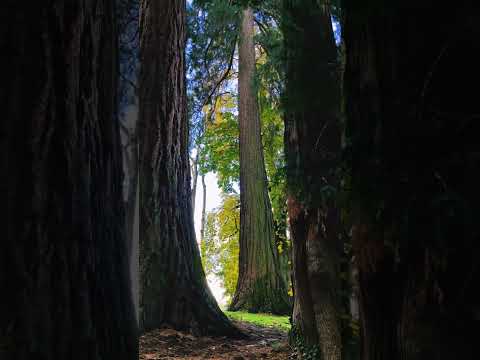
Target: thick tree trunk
x,y
260,284
312,146
63,257
174,291
414,150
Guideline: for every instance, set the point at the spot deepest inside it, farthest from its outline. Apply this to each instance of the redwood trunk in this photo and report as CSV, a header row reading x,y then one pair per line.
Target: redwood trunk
x,y
174,291
260,286
413,132
312,147
63,259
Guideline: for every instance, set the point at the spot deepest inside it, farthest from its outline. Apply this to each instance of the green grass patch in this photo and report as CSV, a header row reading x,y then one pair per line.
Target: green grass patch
x,y
265,320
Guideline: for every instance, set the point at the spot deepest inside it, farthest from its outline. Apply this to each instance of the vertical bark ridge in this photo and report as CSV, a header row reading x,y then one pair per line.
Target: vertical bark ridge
x,y
67,291
312,147
412,184
260,285
174,291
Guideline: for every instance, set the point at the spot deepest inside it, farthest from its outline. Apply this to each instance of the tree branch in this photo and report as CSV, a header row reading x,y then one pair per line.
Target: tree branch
x,y
224,76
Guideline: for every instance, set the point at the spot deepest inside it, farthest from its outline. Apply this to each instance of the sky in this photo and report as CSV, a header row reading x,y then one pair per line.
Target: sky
x,y
213,201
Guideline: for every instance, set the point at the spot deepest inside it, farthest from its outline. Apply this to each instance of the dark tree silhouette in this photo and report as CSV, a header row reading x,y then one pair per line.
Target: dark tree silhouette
x,y
63,258
312,148
413,134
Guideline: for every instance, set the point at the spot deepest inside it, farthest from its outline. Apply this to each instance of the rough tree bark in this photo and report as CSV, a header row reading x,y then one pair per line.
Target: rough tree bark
x,y
174,291
63,257
312,147
260,284
414,160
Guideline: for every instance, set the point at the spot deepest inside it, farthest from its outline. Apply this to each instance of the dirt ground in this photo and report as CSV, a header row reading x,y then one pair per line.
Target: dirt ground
x,y
262,343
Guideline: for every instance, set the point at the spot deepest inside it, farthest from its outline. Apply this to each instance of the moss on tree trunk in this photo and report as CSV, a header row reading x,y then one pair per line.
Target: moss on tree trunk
x,y
260,286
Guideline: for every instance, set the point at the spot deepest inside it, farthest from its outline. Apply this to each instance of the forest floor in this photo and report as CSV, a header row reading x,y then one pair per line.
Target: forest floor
x,y
262,343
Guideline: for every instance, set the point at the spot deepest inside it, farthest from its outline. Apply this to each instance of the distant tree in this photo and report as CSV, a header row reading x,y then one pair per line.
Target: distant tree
x,y
413,155
174,291
63,256
214,32
261,286
128,47
313,148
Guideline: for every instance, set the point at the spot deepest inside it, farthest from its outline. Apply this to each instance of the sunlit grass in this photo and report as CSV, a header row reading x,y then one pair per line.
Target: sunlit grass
x,y
265,320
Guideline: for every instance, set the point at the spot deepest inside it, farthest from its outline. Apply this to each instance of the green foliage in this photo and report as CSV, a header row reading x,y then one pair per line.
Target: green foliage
x,y
213,97
220,246
228,218
272,138
212,37
220,151
259,319
209,245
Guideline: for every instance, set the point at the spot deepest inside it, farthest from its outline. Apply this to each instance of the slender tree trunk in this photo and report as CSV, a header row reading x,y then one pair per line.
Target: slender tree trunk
x,y
128,46
204,210
410,116
130,194
195,179
260,284
312,146
174,291
63,256
135,254
285,255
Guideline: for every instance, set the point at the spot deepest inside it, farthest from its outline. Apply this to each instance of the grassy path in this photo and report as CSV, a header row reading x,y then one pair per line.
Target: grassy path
x,y
263,320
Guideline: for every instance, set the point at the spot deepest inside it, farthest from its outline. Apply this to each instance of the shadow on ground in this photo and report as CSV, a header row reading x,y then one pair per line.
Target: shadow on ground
x,y
262,343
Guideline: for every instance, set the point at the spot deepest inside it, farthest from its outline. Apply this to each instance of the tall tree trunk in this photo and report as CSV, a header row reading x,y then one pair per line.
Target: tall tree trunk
x,y
174,291
312,146
63,256
195,178
413,157
285,254
129,140
260,284
128,46
135,253
204,209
